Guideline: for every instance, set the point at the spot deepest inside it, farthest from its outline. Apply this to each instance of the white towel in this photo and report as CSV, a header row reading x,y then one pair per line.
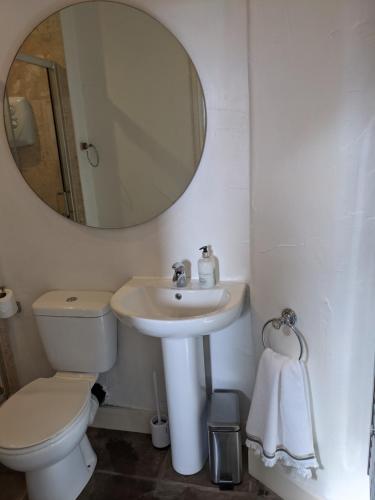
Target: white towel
x,y
279,423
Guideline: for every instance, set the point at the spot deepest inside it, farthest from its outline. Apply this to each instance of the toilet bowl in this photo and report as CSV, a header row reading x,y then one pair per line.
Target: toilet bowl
x,y
43,426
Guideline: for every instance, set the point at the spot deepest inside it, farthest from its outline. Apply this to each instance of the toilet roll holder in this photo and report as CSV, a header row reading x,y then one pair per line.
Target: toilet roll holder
x,y
3,294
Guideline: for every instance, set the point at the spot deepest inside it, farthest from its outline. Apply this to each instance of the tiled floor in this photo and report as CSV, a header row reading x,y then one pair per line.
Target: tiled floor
x,y
129,468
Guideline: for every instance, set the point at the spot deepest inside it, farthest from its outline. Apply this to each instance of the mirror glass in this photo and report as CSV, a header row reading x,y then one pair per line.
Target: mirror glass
x,y
105,114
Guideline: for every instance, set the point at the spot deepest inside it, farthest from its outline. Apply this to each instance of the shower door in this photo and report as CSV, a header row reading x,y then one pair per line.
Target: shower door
x,y
51,163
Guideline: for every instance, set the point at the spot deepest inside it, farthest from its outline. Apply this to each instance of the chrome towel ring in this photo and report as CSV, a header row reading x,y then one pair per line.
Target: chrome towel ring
x,y
85,146
288,318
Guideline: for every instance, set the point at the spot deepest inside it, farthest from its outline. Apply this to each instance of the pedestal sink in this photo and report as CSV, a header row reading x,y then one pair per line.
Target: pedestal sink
x,y
180,317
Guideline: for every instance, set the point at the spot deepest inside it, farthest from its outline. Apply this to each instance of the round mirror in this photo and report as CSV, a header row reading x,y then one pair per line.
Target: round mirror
x,y
105,114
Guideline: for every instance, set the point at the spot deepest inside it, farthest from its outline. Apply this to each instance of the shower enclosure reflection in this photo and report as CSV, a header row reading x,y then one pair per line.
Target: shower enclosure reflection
x,y
38,120
105,114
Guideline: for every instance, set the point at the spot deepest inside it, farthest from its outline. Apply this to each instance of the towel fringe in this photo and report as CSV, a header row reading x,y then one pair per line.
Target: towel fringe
x,y
303,470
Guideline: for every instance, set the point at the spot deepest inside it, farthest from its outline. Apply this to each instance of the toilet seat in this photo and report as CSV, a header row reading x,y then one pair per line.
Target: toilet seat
x,y
42,411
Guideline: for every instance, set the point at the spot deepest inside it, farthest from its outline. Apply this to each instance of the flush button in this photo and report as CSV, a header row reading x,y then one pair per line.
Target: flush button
x,y
71,299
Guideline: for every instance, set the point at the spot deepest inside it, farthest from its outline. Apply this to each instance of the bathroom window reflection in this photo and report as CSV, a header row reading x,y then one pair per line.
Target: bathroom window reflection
x,y
105,114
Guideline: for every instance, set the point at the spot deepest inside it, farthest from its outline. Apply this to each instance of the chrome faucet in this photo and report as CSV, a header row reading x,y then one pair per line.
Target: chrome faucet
x,y
179,275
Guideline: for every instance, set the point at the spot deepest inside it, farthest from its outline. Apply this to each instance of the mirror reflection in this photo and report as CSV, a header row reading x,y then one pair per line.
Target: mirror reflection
x,y
105,114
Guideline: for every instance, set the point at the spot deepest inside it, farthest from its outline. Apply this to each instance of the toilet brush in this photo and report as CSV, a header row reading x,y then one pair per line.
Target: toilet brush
x,y
156,392
159,423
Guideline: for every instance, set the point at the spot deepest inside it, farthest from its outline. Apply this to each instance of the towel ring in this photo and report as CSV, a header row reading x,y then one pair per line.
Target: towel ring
x,y
85,146
288,318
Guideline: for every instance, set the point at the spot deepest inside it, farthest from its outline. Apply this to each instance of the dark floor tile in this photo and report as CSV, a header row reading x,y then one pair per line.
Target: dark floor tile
x,y
262,492
12,485
105,486
129,468
129,453
177,491
202,478
168,490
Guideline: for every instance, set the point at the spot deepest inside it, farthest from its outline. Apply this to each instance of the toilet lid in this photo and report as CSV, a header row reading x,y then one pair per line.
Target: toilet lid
x,y
41,410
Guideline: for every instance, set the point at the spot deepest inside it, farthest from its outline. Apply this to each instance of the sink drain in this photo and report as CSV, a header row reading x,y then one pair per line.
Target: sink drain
x,y
178,296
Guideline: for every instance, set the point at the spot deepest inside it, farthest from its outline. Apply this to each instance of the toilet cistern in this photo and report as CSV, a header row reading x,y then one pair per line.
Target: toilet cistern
x,y
43,425
179,275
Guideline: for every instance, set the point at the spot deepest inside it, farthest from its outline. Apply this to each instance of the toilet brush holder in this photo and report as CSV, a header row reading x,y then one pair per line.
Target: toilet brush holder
x,y
160,432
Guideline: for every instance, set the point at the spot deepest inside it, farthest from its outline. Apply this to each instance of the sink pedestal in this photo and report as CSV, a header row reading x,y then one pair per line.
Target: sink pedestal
x,y
186,398
180,317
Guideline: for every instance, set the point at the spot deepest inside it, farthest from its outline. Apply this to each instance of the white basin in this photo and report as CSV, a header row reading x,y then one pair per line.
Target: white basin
x,y
155,307
180,317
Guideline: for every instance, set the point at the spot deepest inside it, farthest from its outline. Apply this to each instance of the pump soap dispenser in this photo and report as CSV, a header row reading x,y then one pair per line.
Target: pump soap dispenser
x,y
206,269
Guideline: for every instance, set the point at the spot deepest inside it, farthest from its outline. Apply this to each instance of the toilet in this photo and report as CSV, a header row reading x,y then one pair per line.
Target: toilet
x,y
43,426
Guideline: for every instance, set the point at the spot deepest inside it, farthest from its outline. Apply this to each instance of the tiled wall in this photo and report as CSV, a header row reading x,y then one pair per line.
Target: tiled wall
x,y
8,373
40,163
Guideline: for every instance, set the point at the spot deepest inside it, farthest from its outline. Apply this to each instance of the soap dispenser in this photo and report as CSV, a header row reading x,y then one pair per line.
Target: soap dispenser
x,y
206,269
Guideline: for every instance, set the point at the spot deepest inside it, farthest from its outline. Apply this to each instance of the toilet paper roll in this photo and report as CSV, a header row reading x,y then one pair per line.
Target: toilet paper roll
x,y
8,304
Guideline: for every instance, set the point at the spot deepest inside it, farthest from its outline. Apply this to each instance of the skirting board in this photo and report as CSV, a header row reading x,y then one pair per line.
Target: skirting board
x,y
123,419
277,481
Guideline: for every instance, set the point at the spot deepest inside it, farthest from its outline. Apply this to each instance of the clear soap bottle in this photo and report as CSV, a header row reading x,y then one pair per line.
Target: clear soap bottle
x,y
206,269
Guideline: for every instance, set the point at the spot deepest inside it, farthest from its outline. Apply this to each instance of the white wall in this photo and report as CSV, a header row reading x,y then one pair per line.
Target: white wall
x,y
40,250
312,85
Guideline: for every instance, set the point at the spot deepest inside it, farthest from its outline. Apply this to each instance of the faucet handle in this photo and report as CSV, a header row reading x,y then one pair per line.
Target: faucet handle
x,y
178,266
179,275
